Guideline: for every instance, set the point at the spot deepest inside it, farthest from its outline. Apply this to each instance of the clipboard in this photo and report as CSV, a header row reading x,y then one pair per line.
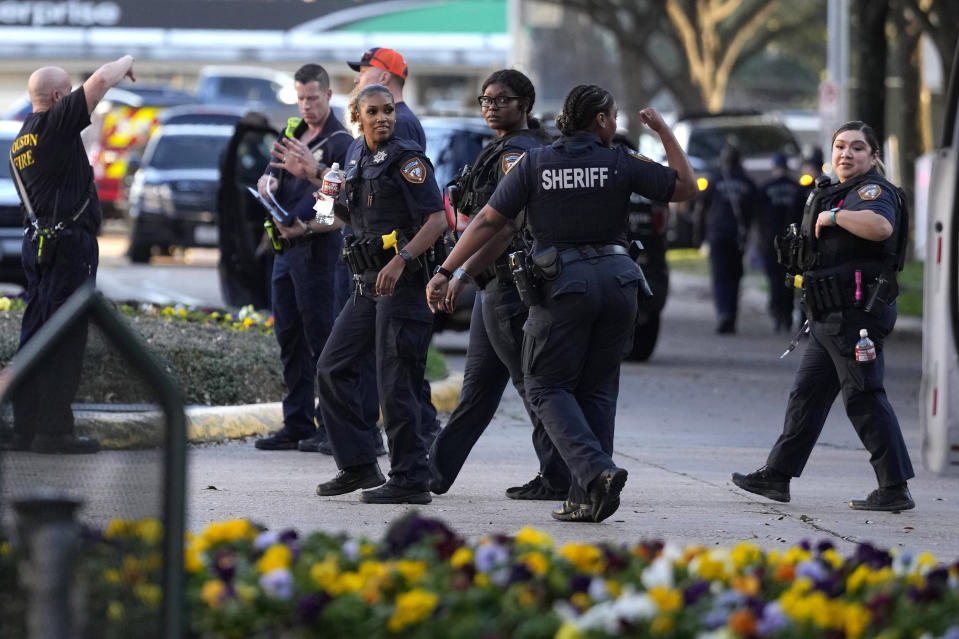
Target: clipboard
x,y
279,214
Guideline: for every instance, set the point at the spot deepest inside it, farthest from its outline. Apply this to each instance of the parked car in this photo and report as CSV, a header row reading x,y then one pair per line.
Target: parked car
x,y
758,137
11,217
203,114
173,193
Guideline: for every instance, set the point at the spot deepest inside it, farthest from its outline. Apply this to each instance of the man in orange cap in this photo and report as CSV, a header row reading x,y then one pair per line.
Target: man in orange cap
x,y
385,66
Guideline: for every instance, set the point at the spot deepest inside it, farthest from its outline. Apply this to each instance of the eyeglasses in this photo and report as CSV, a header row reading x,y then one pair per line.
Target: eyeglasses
x,y
500,101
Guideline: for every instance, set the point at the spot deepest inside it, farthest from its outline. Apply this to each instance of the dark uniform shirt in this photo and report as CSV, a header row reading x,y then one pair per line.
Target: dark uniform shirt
x,y
783,205
729,202
391,188
576,191
328,146
873,193
53,164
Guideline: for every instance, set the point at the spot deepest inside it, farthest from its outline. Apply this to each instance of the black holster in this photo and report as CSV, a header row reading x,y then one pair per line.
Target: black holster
x,y
528,284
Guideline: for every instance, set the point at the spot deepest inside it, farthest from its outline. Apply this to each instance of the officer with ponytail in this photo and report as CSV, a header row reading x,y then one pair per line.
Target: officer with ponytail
x,y
575,193
850,246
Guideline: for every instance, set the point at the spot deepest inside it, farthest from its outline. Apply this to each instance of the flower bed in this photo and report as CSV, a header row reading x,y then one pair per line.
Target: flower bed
x,y
423,581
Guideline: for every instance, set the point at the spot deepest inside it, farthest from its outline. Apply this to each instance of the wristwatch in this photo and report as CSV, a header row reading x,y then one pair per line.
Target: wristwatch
x,y
439,270
309,230
832,215
405,255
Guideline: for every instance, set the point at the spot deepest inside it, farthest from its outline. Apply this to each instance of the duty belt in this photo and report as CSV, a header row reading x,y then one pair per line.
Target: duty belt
x,y
590,251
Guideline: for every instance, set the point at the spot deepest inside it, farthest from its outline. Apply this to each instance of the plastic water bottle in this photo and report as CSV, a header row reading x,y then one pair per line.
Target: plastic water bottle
x,y
328,192
865,349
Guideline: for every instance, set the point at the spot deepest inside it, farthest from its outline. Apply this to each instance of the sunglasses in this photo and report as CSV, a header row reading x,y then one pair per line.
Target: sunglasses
x,y
500,101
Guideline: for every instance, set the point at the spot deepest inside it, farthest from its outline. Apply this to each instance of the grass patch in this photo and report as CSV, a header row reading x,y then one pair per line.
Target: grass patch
x,y
910,289
688,260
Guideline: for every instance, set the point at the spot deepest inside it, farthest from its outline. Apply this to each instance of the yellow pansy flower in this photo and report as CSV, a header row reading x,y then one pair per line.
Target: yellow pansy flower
x,y
568,631
412,607
150,594
536,562
212,593
529,536
662,624
745,554
276,556
585,557
666,599
115,610
411,571
462,556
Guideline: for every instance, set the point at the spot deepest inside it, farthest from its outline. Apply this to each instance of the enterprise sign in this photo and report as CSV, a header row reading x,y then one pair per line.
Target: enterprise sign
x,y
71,13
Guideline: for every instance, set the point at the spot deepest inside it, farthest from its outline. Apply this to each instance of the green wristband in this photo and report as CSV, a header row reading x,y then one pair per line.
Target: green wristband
x,y
832,215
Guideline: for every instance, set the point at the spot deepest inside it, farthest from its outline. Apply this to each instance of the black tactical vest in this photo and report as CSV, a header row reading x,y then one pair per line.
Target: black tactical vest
x,y
375,192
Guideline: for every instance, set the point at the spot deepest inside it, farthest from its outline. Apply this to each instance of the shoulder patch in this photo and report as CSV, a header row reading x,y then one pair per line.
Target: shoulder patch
x,y
869,191
414,171
638,155
509,160
318,154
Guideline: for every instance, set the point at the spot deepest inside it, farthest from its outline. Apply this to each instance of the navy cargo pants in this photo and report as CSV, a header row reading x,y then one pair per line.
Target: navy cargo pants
x,y
574,343
828,367
43,405
398,330
493,357
303,295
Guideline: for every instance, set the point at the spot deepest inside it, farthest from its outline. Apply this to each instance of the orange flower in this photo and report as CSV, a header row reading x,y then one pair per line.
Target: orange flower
x,y
785,572
742,622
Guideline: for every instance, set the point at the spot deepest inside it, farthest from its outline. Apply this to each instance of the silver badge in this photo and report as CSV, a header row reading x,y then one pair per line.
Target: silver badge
x,y
379,157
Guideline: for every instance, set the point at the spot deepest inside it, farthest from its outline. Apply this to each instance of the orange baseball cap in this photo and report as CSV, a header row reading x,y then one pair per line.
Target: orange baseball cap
x,y
382,58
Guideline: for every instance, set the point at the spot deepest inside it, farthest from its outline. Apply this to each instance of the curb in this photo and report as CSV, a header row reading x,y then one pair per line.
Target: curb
x,y
211,424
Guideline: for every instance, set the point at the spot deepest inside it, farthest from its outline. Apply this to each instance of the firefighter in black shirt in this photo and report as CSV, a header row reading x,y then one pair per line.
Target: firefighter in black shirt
x,y
60,251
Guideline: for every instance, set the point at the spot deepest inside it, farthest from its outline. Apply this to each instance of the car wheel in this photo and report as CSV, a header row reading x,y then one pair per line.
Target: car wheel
x,y
139,252
644,338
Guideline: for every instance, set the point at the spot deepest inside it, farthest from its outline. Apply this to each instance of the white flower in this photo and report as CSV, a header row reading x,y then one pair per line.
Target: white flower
x,y
597,589
658,573
631,606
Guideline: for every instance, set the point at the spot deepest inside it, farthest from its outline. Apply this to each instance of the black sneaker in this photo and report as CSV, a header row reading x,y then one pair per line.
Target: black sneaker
x,y
535,489
571,511
891,499
315,444
767,482
390,493
350,479
604,492
280,440
64,445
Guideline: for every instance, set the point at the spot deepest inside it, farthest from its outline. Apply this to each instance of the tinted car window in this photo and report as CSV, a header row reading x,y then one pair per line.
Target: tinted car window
x,y
5,143
751,141
449,149
203,118
187,152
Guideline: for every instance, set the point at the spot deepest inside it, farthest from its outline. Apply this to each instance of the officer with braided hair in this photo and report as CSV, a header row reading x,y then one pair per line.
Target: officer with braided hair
x,y
582,315
496,326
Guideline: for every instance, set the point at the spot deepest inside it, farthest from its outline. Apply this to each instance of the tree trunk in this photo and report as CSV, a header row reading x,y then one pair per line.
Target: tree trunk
x,y
869,91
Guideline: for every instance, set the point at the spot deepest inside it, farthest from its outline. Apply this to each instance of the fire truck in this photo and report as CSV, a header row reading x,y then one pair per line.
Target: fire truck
x,y
121,126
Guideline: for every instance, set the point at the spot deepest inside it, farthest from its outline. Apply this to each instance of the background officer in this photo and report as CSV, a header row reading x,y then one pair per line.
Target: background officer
x,y
782,205
729,203
390,189
55,177
576,194
496,326
302,283
855,226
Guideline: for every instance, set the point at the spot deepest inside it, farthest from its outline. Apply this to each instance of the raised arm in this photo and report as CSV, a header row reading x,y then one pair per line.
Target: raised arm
x,y
109,75
675,156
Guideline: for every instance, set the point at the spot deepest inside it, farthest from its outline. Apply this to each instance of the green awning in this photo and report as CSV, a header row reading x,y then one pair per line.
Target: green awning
x,y
464,16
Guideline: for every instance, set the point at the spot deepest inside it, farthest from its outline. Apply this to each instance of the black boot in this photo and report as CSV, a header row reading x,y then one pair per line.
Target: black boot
x,y
888,499
768,482
350,479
